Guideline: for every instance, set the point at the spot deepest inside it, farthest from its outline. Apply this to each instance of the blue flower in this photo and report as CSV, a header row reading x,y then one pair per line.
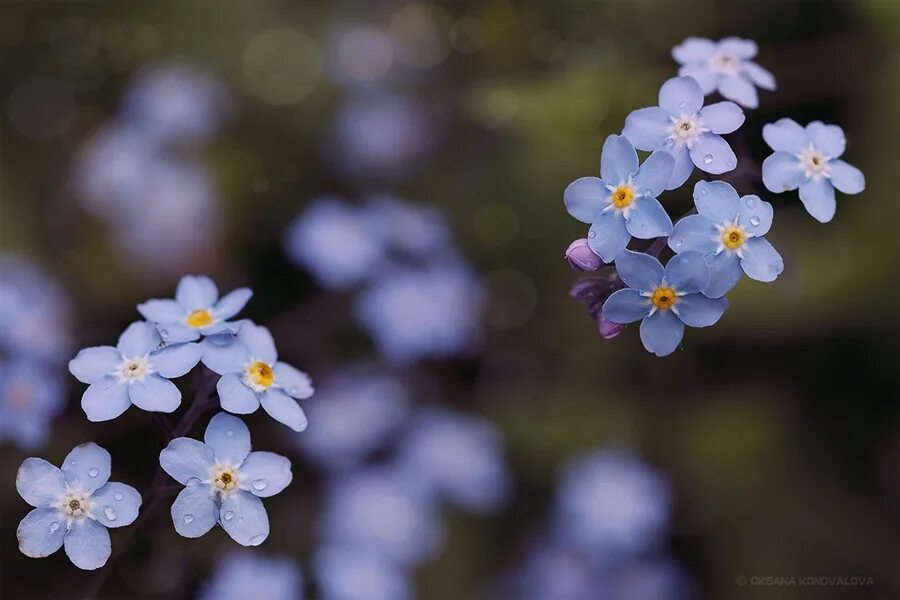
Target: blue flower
x,y
414,231
724,66
136,371
664,300
809,159
30,396
687,130
729,233
551,571
225,482
252,375
240,575
195,311
351,573
73,506
622,202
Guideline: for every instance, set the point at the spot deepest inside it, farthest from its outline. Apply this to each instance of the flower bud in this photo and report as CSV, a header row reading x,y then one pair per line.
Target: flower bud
x,y
581,257
608,329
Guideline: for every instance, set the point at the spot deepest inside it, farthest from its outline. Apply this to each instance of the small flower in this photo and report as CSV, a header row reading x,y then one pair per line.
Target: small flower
x,y
242,575
664,300
225,482
137,371
195,311
622,202
346,572
686,129
729,233
581,258
724,66
73,506
808,159
252,375
30,396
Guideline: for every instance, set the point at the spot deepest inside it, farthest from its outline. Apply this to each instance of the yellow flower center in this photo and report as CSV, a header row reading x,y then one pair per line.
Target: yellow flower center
x,y
224,478
260,374
663,297
199,318
733,237
622,196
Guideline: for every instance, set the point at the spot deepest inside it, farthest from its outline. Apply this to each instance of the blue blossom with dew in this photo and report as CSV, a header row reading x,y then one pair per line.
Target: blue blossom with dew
x,y
136,371
31,395
686,129
808,158
224,482
346,572
252,376
725,66
729,232
622,202
196,310
73,506
664,300
242,574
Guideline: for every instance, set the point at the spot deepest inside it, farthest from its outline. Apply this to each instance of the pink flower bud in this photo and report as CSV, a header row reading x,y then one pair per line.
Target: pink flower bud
x,y
581,257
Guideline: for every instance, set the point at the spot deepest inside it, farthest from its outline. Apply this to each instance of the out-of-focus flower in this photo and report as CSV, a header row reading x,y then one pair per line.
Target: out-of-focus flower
x,y
253,375
242,575
593,291
415,232
581,258
653,579
808,158
621,202
224,482
351,573
724,66
729,232
137,371
196,310
359,55
686,129
550,571
608,329
31,394
663,299
73,506
457,457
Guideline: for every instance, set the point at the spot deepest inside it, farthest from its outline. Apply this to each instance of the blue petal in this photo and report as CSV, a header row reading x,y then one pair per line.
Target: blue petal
x,y
585,198
265,474
761,260
785,135
782,172
687,272
626,306
41,532
187,460
740,89
178,333
694,232
759,76
294,381
194,511
235,396
618,160
655,173
724,273
608,236
827,138
693,49
846,177
706,79
717,201
229,438
284,409
722,117
696,310
755,215
175,360
683,168
244,518
91,364
222,327
739,47
232,303
681,96
661,332
647,128
639,271
817,196
712,154
155,394
224,354
87,544
116,504
87,467
106,399
39,483
196,293
648,219
139,339
258,342
162,311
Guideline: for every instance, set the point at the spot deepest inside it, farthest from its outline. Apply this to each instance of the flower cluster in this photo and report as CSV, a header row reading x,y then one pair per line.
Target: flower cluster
x,y
725,239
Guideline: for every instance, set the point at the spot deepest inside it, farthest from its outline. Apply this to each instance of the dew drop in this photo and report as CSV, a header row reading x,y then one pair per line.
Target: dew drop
x,y
229,433
682,104
592,234
93,473
707,159
256,540
188,518
677,243
702,191
729,164
54,526
117,496
240,519
192,481
164,333
227,515
110,513
670,142
754,221
259,484
751,202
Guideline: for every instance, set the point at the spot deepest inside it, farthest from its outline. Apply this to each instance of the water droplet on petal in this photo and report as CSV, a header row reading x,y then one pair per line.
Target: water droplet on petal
x,y
677,243
729,164
592,234
751,202
110,513
163,333
256,540
240,519
229,433
702,191
192,481
117,496
707,159
259,484
670,142
188,518
93,473
227,515
682,104
754,220
54,526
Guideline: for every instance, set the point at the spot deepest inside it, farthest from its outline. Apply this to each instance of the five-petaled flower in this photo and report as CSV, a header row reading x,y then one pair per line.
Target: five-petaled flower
x,y
663,299
689,131
622,202
808,158
729,232
724,66
73,506
224,481
136,371
196,310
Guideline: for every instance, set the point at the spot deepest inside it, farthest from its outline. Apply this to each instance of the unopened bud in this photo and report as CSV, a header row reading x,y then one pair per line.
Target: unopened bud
x,y
608,329
581,257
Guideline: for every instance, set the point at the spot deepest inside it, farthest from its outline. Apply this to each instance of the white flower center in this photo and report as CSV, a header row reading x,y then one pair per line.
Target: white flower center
x,y
724,63
684,131
814,163
622,197
75,505
134,369
224,478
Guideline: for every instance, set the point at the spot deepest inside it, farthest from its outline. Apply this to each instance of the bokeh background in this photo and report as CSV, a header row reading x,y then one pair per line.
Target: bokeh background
x,y
143,141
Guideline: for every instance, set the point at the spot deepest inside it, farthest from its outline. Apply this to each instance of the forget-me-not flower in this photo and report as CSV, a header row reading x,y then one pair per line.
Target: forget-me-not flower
x,y
30,396
241,575
622,202
686,129
347,572
253,375
196,310
73,506
729,232
663,299
224,481
724,66
136,371
808,158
